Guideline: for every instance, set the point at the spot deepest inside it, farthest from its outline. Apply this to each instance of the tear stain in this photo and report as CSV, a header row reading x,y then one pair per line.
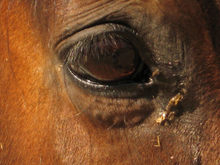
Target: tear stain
x,y
171,108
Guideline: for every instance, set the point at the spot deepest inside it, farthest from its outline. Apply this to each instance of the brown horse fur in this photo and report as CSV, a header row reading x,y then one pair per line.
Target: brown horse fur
x,y
39,123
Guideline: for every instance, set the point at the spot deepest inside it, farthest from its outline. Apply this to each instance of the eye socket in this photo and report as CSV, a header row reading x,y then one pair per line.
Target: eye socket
x,y
106,54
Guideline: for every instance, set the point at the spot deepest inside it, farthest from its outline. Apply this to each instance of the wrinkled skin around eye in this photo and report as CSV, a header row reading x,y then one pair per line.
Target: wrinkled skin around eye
x,y
47,118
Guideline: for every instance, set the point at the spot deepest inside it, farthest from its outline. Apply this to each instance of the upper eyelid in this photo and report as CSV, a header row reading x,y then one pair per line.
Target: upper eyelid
x,y
113,13
89,32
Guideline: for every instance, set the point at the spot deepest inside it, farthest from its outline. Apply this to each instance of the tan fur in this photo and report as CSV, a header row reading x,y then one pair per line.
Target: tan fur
x,y
38,122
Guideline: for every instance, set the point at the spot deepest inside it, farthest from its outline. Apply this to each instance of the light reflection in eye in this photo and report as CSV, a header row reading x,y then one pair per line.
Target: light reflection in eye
x,y
108,57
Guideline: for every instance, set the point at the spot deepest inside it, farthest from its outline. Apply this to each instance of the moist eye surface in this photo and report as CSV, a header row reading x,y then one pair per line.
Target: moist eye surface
x,y
108,57
106,54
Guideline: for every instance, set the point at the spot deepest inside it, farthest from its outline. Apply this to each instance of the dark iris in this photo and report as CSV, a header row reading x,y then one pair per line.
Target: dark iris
x,y
107,57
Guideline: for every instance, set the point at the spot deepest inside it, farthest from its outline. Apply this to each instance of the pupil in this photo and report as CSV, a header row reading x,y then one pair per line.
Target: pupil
x,y
111,59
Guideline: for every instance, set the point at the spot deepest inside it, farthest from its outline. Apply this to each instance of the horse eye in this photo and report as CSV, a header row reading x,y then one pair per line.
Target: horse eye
x,y
107,57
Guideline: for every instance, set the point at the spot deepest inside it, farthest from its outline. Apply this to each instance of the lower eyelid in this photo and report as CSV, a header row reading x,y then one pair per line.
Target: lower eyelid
x,y
110,111
129,90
